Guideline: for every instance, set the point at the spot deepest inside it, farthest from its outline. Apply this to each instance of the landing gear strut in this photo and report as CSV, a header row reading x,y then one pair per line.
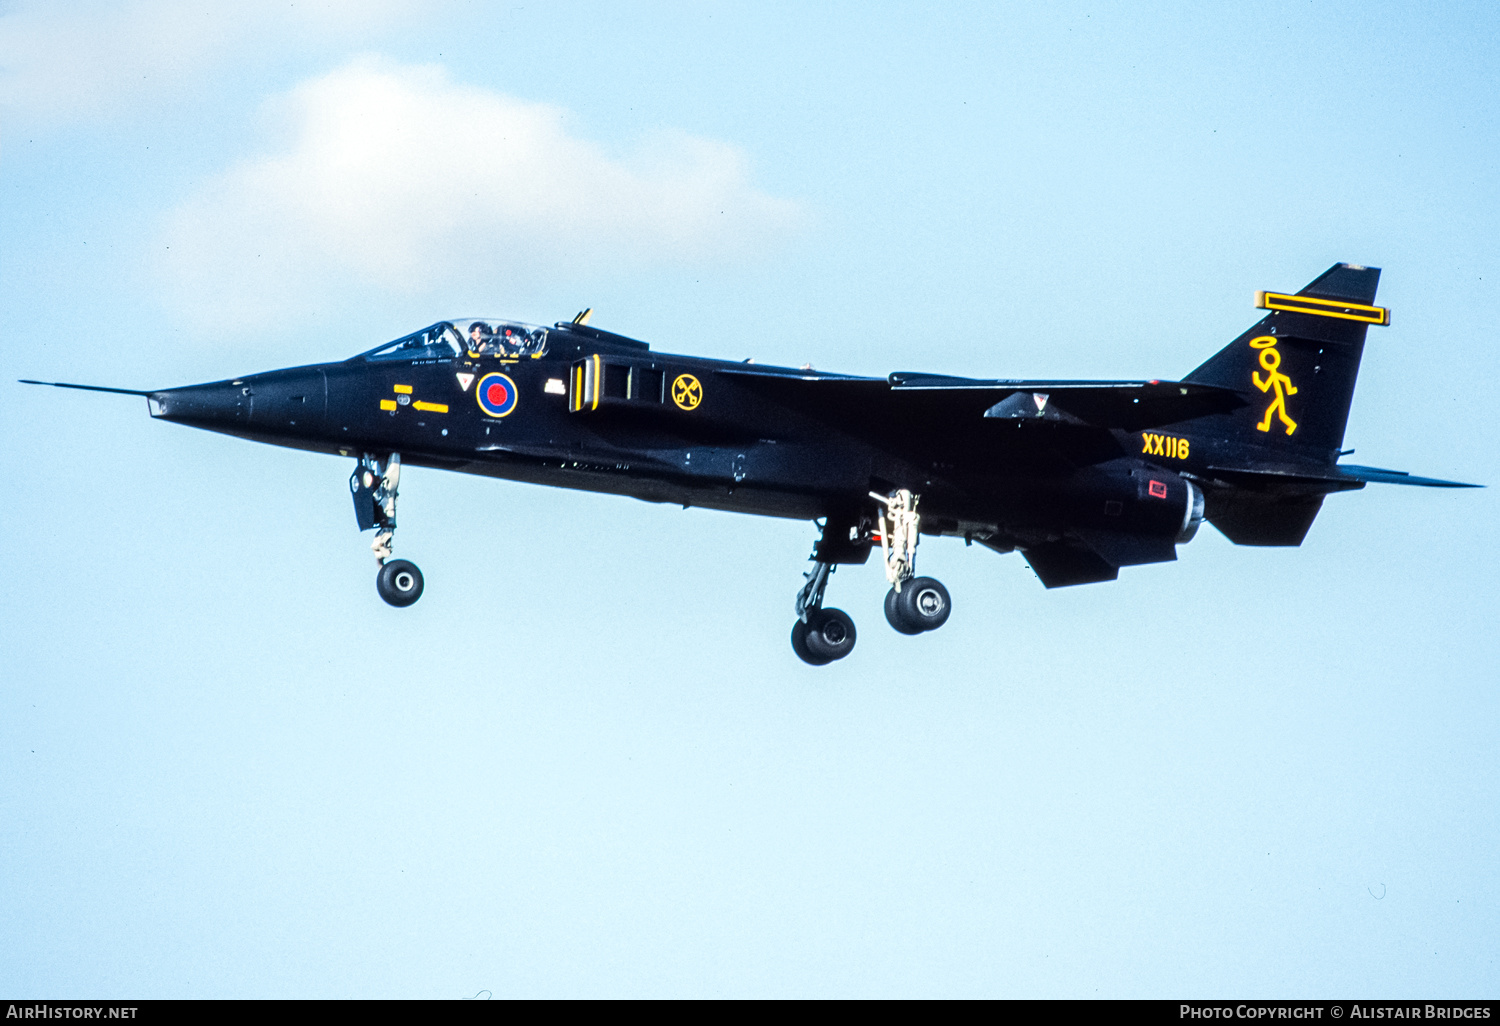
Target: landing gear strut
x,y
914,604
820,635
374,485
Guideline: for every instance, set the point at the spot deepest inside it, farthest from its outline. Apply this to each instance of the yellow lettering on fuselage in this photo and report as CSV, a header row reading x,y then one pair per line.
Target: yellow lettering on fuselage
x,y
1170,446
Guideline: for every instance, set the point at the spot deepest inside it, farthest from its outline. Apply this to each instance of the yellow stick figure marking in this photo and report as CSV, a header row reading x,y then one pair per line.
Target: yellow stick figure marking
x,y
687,392
1270,359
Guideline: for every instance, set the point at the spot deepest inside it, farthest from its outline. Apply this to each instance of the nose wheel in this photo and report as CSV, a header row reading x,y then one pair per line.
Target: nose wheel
x,y
399,582
374,485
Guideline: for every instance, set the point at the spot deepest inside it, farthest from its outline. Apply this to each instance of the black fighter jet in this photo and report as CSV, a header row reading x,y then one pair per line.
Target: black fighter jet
x,y
1081,477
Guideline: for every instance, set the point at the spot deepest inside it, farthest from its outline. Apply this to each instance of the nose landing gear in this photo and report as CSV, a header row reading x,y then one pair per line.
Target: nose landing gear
x,y
374,485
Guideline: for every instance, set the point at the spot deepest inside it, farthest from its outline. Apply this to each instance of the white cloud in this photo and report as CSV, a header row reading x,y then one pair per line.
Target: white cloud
x,y
82,58
396,177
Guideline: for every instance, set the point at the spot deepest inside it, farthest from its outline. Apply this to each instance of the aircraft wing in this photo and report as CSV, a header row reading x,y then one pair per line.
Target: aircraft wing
x,y
917,399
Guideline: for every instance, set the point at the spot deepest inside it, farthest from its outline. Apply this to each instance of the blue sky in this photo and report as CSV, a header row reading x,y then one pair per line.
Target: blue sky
x,y
587,762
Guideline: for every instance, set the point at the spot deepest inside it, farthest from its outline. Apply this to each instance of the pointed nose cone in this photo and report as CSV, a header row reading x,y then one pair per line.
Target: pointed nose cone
x,y
219,406
285,404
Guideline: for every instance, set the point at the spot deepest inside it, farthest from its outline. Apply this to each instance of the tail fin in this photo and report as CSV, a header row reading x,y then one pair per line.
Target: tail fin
x,y
1298,365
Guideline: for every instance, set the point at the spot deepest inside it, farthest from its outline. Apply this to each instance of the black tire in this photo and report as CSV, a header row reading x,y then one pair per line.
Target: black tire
x,y
799,645
830,634
895,617
399,582
924,603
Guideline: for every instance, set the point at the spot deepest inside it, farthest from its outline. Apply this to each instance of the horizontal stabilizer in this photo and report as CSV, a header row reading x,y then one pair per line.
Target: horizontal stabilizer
x,y
1310,477
1399,477
1275,504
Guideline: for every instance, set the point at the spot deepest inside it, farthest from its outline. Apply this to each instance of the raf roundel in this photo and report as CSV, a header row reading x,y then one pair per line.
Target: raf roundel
x,y
496,394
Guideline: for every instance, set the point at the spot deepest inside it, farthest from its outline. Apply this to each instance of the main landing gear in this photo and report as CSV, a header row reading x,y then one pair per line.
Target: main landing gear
x,y
912,606
374,484
922,604
820,635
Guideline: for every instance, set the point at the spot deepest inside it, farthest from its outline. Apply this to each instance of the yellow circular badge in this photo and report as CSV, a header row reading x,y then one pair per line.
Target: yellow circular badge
x,y
686,392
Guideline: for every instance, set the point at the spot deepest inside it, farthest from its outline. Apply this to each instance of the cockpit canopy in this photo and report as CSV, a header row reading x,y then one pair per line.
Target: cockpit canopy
x,y
502,338
476,337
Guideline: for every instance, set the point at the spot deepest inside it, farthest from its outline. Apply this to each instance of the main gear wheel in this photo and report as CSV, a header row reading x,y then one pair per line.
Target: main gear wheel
x,y
825,636
921,605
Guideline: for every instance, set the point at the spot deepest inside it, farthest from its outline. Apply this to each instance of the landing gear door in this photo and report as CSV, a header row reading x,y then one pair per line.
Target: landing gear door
x,y
362,486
